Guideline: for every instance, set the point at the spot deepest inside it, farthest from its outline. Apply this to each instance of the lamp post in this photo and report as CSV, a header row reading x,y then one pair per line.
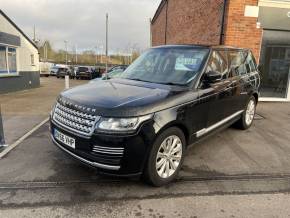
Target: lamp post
x,y
107,25
65,43
76,54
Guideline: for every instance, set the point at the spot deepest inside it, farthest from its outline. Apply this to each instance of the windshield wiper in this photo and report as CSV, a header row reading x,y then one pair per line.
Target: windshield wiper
x,y
168,83
173,84
136,79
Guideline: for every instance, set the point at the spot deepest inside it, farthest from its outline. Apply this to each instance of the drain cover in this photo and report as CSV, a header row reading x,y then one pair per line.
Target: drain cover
x,y
258,117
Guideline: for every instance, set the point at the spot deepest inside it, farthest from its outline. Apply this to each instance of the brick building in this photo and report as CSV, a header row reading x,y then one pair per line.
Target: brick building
x,y
261,25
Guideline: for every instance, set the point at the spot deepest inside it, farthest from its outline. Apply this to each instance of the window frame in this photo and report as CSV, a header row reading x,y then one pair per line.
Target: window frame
x,y
8,72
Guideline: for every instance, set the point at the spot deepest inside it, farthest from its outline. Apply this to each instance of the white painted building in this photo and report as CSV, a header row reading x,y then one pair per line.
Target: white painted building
x,y
19,58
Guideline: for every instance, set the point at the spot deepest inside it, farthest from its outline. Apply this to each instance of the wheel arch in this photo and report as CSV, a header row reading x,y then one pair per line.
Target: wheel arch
x,y
256,95
178,125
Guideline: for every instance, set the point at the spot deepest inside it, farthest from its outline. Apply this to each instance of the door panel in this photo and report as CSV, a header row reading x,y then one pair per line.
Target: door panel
x,y
217,95
240,80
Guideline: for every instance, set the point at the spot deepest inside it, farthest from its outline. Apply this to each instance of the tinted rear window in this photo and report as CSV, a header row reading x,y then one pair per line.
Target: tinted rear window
x,y
83,69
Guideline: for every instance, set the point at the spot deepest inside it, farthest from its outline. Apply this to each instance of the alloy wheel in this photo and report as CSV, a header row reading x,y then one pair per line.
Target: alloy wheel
x,y
169,156
250,112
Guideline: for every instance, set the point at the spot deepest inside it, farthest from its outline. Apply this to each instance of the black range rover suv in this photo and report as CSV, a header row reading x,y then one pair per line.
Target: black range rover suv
x,y
170,97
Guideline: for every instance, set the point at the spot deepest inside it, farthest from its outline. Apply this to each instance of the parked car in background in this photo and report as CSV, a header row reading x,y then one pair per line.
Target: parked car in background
x,y
44,73
84,72
118,68
53,70
106,76
72,72
113,74
142,122
62,72
45,68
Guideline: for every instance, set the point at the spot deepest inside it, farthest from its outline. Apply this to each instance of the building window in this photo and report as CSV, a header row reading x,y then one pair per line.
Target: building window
x,y
32,59
3,60
8,63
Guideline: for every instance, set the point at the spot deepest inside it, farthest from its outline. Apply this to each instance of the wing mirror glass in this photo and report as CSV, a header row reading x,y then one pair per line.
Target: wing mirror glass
x,y
212,77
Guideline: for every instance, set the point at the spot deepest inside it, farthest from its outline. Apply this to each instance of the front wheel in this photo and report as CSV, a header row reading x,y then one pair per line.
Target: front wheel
x,y
166,157
248,115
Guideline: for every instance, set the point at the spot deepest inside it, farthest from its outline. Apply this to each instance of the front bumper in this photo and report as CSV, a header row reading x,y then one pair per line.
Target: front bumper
x,y
130,162
87,162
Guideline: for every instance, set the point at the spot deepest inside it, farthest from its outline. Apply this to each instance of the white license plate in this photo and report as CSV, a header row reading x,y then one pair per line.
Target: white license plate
x,y
69,141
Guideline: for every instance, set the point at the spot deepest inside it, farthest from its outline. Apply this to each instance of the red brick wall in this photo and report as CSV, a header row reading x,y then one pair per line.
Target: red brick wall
x,y
241,31
189,22
198,22
158,28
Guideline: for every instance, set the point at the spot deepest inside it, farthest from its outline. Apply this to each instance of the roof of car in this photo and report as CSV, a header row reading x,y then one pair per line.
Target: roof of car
x,y
200,46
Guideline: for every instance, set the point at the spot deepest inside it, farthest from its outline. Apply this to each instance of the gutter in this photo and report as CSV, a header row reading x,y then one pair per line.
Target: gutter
x,y
223,22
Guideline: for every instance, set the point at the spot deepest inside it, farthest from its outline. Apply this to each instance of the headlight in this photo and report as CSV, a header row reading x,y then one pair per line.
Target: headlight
x,y
121,124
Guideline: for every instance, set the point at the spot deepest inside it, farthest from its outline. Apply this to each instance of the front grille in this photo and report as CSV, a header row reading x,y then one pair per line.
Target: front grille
x,y
76,121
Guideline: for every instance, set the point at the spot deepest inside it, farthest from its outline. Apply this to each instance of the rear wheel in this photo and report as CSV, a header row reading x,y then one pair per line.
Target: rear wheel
x,y
166,157
248,115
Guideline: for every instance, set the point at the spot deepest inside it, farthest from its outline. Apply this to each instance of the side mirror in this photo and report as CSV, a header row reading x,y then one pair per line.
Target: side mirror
x,y
212,77
105,76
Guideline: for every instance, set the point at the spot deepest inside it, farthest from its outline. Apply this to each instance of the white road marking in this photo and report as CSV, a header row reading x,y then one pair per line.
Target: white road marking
x,y
21,139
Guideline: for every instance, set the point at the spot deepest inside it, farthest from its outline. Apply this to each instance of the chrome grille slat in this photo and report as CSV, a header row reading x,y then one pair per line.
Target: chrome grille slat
x,y
76,113
120,151
74,120
108,150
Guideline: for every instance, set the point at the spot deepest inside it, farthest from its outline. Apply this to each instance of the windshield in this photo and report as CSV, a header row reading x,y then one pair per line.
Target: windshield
x,y
176,66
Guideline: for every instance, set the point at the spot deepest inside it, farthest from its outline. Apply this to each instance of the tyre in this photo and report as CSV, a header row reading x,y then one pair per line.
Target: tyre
x,y
166,157
247,117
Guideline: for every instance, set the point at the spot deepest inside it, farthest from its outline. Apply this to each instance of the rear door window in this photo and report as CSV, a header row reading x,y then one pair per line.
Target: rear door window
x,y
250,63
83,69
237,63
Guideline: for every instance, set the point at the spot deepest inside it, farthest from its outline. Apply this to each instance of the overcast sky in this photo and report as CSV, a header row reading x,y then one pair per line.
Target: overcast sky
x,y
82,22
